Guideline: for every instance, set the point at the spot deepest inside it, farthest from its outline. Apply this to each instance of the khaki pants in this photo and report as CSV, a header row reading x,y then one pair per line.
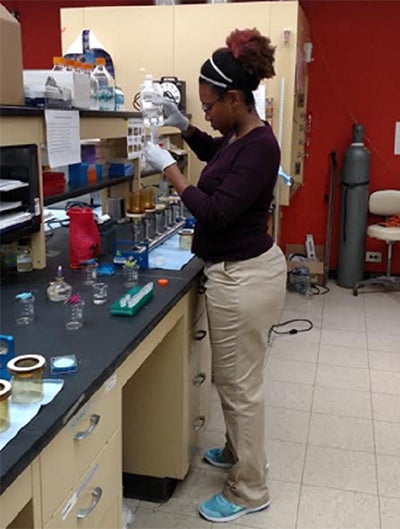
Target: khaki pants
x,y
243,301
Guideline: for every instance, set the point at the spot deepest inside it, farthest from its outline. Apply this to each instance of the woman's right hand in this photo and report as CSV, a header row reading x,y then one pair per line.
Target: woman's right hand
x,y
173,117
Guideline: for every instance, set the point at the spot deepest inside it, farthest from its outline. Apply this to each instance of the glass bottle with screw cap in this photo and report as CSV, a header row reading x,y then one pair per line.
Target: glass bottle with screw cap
x,y
24,256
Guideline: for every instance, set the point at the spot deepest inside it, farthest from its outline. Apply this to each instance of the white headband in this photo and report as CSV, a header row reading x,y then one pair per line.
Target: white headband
x,y
220,73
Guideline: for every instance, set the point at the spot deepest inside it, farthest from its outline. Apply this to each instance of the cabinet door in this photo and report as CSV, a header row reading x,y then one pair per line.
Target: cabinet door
x,y
67,456
99,491
199,30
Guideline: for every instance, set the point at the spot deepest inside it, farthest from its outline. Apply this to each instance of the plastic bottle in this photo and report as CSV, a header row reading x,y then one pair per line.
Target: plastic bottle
x,y
69,65
106,93
58,64
151,106
94,87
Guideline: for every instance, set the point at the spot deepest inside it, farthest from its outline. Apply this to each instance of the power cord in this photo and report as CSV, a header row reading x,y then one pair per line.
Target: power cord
x,y
293,330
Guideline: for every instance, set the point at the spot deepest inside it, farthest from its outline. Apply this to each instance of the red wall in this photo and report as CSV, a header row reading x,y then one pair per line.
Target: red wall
x,y
354,77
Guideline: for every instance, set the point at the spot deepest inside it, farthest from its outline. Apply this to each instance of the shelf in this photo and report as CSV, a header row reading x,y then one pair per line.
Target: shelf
x,y
76,191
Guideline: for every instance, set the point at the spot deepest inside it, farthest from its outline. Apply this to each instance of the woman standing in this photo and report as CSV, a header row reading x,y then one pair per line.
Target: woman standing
x,y
245,270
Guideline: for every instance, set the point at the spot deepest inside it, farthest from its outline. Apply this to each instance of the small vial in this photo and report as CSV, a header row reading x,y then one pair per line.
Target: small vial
x,y
24,305
5,392
26,378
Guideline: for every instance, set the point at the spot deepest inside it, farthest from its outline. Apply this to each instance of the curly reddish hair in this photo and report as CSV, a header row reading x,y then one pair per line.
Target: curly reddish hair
x,y
253,51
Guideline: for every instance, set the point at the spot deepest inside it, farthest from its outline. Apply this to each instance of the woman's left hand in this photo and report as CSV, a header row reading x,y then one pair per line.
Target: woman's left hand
x,y
157,157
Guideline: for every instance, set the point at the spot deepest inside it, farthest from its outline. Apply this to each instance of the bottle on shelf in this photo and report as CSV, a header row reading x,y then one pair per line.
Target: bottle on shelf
x,y
94,86
58,64
69,65
24,256
106,92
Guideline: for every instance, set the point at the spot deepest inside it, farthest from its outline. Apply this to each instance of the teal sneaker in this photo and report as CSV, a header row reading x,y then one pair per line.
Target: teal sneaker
x,y
219,509
215,457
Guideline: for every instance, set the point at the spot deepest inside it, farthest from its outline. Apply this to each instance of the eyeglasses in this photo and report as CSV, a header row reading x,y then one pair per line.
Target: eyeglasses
x,y
206,107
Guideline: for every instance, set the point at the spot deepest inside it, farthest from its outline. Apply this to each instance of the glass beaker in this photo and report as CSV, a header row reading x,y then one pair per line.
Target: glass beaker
x,y
130,272
74,313
24,306
26,378
89,272
5,392
100,293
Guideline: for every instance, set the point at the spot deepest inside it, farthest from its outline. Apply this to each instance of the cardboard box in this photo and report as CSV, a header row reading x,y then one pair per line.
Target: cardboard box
x,y
316,267
77,82
11,84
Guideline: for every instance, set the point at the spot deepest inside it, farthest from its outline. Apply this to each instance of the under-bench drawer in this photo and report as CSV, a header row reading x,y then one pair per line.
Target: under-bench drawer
x,y
75,447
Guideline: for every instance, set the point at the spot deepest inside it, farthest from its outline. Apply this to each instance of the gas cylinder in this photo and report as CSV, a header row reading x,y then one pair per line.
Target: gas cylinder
x,y
354,180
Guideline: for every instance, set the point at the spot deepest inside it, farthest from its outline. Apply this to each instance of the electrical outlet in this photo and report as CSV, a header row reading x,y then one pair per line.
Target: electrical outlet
x,y
373,257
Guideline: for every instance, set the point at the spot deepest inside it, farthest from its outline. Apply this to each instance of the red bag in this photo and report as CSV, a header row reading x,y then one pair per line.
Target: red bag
x,y
84,235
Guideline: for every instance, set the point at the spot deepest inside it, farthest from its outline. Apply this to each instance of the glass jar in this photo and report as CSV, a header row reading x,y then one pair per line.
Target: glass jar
x,y
5,392
26,378
24,256
24,306
74,313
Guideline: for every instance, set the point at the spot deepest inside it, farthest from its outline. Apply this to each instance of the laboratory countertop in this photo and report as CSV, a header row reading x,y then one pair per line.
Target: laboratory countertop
x,y
101,345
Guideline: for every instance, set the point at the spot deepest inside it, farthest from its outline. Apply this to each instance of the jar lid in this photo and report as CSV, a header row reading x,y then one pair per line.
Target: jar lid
x,y
26,364
186,231
5,389
25,295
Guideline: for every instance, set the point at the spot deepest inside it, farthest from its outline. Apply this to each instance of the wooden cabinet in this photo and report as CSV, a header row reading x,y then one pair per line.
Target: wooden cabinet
x,y
174,383
176,40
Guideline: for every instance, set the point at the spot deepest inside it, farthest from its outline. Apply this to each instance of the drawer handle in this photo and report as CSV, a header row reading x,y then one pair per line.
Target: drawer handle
x,y
200,335
96,495
198,423
94,421
199,379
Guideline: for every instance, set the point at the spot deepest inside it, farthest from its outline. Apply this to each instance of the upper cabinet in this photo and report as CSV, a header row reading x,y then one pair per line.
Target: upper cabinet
x,y
176,40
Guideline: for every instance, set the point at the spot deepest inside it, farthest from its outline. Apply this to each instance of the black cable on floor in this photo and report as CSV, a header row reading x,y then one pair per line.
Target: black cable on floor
x,y
293,330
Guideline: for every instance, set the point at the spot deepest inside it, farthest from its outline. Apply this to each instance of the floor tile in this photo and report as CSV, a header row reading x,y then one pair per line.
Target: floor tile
x,y
345,402
344,337
145,519
286,425
389,475
355,378
387,436
301,352
344,322
390,512
322,508
288,395
288,371
342,432
385,382
335,355
384,361
383,342
341,469
286,460
386,407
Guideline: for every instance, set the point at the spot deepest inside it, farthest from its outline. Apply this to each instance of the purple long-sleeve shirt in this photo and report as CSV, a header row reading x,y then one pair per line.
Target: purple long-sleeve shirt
x,y
233,196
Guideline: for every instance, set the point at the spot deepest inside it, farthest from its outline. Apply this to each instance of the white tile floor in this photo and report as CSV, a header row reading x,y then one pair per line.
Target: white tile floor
x,y
333,424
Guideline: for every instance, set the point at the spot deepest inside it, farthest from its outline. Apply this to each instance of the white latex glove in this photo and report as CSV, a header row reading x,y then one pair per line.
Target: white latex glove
x,y
157,157
173,117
